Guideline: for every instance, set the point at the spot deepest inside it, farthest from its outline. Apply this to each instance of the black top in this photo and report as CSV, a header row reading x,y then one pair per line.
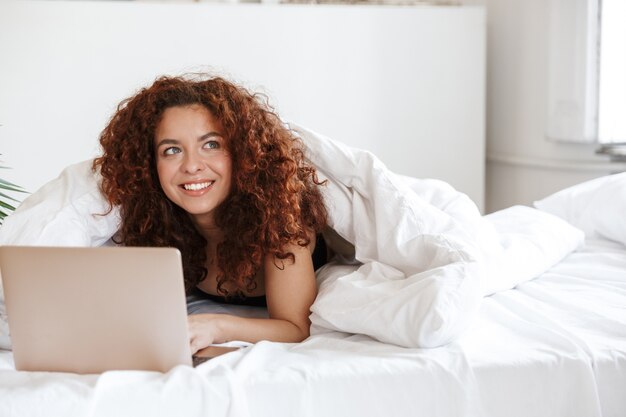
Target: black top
x,y
259,301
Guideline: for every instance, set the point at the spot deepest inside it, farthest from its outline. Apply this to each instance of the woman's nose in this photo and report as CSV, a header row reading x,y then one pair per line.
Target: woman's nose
x,y
193,163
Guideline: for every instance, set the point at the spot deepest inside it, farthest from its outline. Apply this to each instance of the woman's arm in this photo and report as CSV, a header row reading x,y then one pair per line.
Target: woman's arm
x,y
290,291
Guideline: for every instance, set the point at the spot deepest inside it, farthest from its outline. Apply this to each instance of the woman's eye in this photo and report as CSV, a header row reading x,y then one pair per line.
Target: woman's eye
x,y
212,144
171,151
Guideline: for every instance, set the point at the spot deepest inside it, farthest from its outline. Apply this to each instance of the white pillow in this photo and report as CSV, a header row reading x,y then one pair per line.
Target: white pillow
x,y
597,207
67,211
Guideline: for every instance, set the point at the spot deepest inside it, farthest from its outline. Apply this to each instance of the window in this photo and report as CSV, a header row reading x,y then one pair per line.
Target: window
x,y
587,71
612,82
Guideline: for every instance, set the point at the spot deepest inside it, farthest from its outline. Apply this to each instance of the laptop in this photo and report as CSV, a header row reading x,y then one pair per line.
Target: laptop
x,y
90,310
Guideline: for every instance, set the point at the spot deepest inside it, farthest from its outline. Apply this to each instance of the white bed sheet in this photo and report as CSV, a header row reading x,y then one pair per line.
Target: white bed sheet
x,y
554,346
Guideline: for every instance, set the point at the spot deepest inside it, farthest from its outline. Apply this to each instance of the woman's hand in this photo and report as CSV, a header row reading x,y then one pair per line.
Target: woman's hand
x,y
203,331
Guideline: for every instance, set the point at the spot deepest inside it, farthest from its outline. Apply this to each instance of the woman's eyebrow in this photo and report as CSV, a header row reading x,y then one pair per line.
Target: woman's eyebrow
x,y
209,135
167,142
176,142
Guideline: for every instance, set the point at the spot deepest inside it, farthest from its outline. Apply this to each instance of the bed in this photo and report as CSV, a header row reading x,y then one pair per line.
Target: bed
x,y
548,345
555,346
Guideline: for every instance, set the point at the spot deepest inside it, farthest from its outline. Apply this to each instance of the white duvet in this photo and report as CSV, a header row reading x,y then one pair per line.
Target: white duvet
x,y
424,256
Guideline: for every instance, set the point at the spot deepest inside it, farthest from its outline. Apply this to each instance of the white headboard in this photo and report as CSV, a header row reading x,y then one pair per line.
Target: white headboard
x,y
407,83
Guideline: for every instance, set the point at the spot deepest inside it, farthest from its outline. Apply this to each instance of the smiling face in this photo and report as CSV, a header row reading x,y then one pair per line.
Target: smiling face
x,y
192,162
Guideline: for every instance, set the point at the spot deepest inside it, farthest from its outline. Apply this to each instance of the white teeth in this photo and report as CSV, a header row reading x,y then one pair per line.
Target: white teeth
x,y
197,186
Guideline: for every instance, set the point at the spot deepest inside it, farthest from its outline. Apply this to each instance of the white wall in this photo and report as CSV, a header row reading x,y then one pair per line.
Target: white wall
x,y
407,83
522,165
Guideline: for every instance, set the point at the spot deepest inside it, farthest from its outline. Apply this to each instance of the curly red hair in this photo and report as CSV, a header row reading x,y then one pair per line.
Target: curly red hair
x,y
275,198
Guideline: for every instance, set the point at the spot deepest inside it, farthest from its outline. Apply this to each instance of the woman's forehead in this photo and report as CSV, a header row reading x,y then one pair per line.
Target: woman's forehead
x,y
187,117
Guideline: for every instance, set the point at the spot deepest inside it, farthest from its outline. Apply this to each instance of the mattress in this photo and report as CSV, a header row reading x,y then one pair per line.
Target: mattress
x,y
553,346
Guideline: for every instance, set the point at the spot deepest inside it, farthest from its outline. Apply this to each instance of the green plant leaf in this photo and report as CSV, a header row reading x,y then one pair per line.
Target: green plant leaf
x,y
5,185
6,205
8,197
8,183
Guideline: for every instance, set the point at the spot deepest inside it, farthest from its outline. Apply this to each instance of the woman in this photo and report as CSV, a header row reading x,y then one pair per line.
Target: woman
x,y
207,167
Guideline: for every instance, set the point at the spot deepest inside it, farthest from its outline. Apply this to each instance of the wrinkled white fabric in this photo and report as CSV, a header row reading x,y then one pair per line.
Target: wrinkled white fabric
x,y
68,211
425,255
531,241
